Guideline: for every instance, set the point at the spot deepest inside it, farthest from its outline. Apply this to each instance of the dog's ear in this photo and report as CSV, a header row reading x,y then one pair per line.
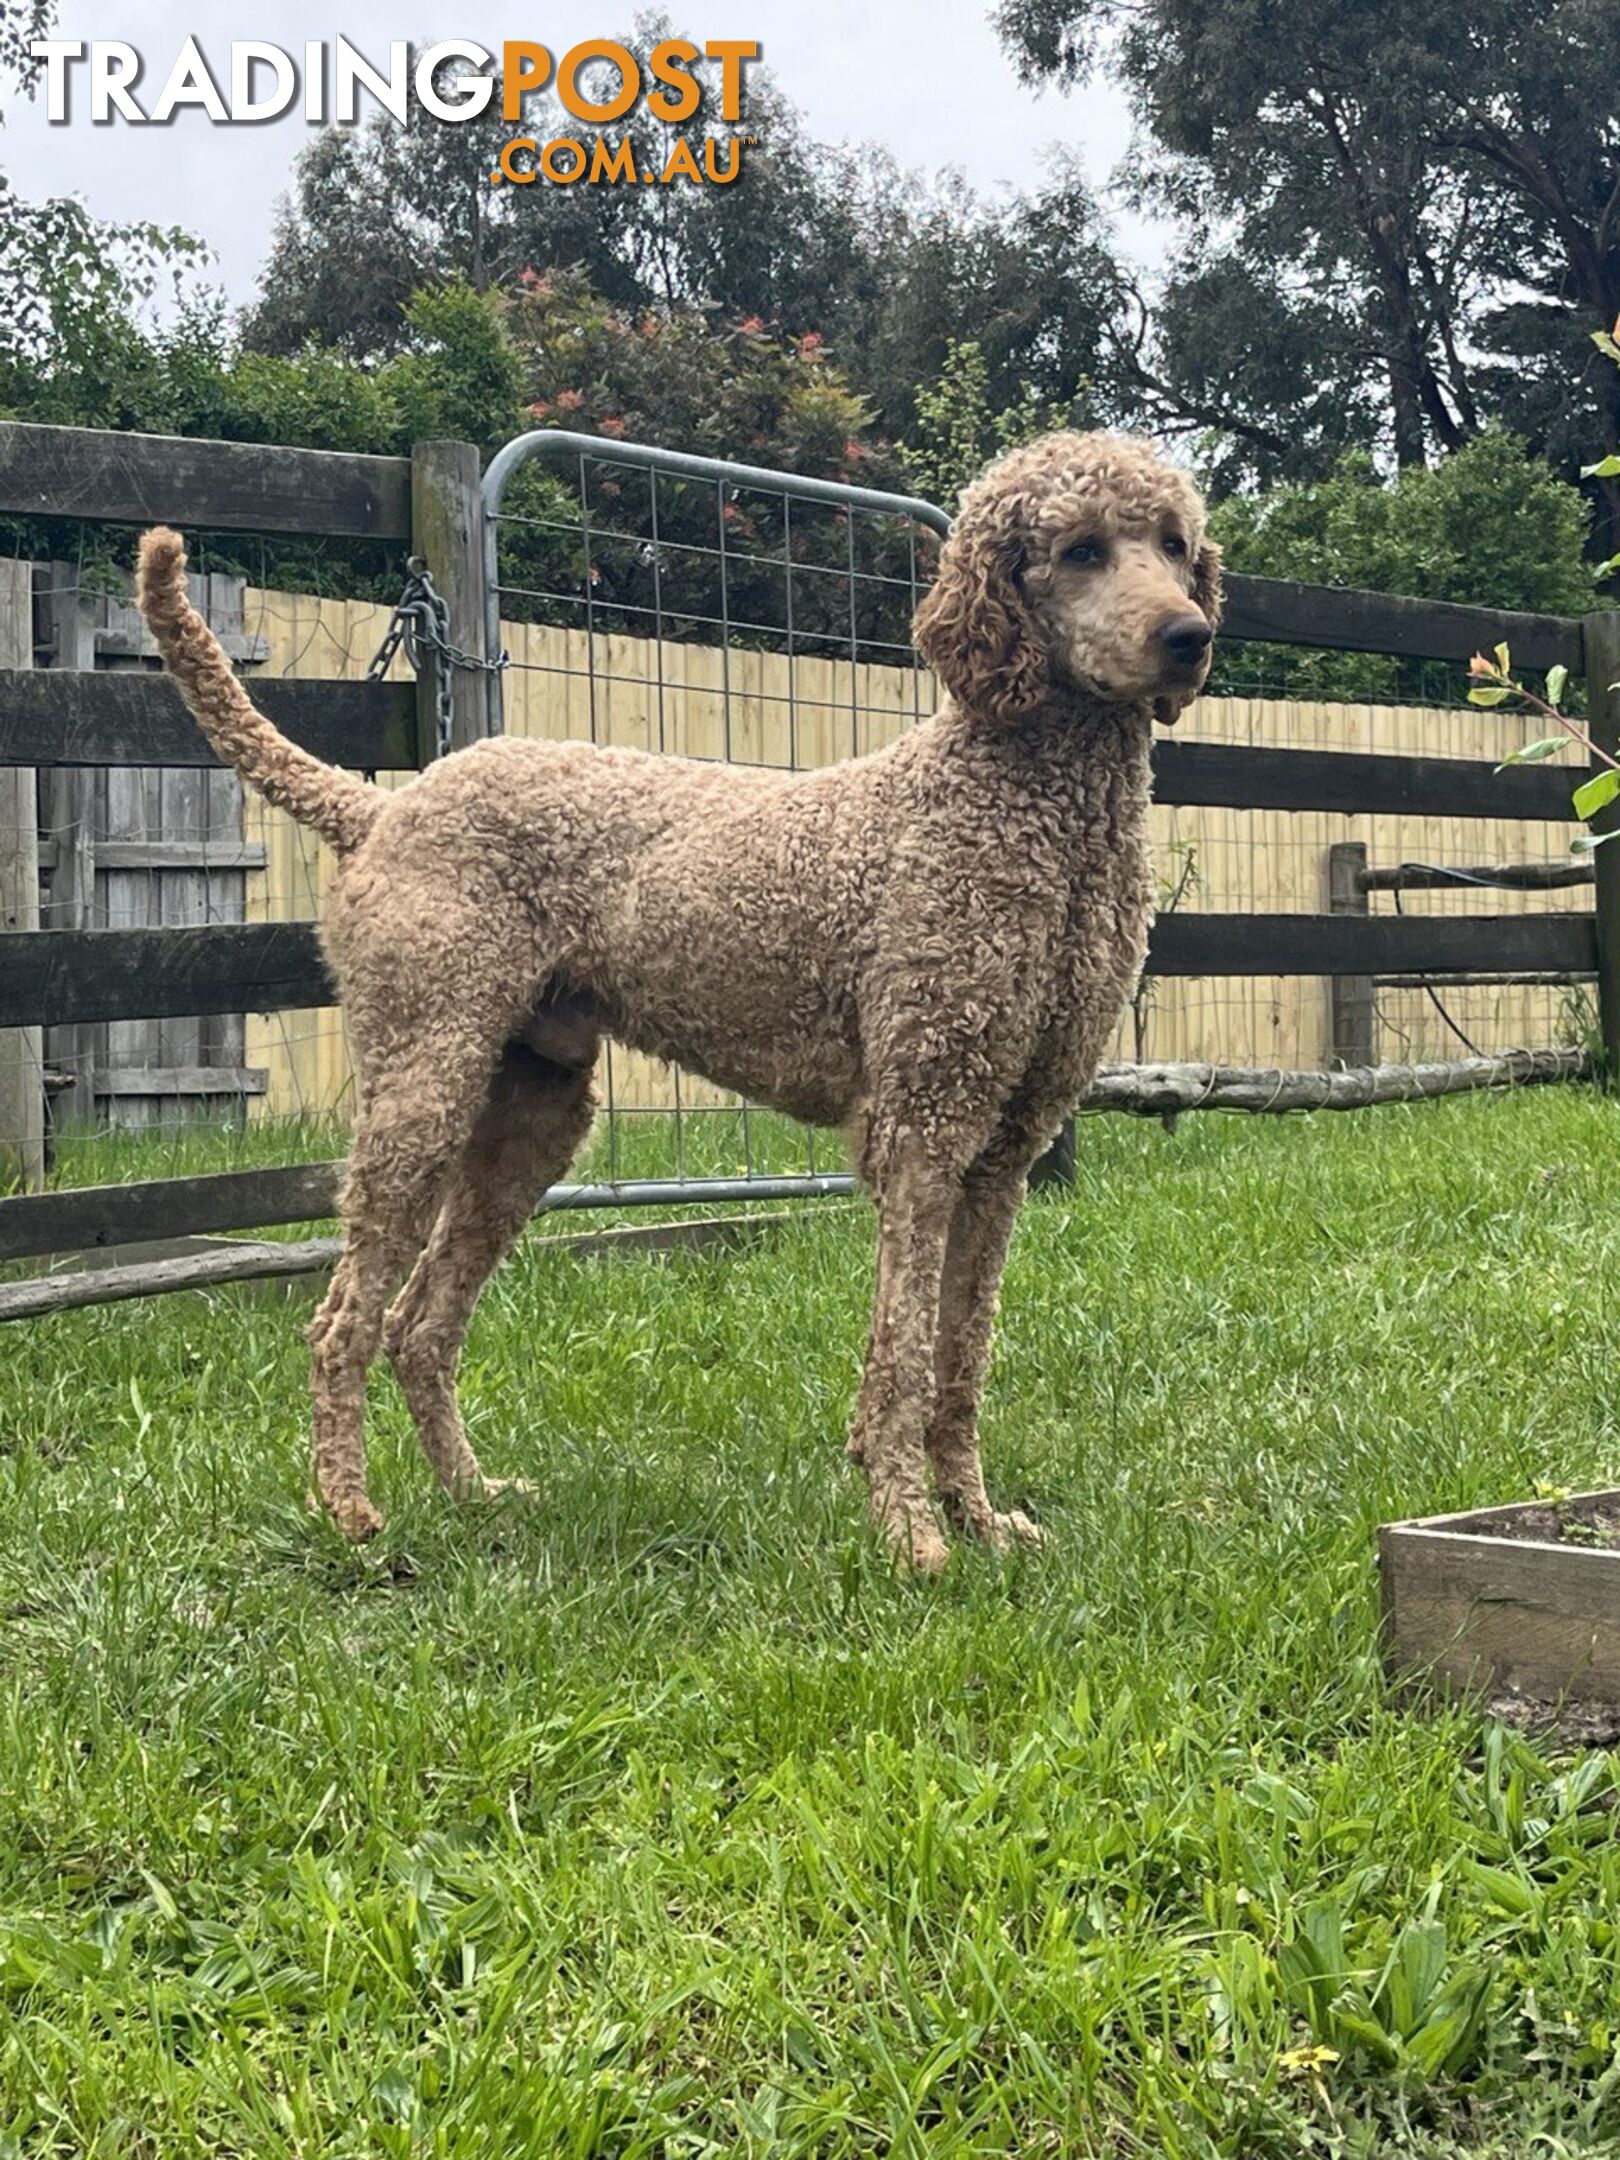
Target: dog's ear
x,y
1209,594
975,629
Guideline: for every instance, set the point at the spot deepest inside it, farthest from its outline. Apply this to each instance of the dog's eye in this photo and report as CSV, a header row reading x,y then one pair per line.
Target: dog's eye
x,y
1084,554
1175,547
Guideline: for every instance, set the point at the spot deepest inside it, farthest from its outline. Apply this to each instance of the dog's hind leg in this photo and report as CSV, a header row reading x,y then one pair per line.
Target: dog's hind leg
x,y
533,1124
414,1122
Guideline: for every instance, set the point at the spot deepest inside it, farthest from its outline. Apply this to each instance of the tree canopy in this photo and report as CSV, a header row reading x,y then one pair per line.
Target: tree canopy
x,y
1434,184
1394,231
886,267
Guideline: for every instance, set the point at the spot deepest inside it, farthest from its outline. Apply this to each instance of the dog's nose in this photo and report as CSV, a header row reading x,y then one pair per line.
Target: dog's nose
x,y
1186,638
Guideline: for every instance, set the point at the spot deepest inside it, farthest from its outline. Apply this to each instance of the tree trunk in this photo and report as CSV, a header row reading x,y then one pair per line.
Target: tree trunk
x,y
1406,412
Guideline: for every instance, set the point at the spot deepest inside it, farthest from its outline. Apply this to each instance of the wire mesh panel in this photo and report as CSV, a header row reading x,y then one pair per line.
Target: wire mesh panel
x,y
695,606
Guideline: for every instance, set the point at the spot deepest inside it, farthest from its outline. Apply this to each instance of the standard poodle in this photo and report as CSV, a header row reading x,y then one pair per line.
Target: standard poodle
x,y
928,947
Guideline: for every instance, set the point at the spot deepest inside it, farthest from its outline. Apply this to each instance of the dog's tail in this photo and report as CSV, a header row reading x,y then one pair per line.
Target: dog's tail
x,y
339,807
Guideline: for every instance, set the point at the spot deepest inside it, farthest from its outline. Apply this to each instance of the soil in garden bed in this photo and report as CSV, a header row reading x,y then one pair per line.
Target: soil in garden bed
x,y
1594,1523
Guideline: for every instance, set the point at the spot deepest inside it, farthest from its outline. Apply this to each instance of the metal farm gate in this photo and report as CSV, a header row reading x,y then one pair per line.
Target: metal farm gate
x,y
694,604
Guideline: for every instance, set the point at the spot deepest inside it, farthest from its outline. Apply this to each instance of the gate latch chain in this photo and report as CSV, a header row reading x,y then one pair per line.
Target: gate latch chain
x,y
421,623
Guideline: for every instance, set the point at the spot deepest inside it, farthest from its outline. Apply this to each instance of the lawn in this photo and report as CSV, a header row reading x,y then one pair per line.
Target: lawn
x,y
655,1816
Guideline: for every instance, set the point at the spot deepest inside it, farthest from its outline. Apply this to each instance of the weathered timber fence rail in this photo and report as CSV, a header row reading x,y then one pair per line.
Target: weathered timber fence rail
x,y
430,501
277,967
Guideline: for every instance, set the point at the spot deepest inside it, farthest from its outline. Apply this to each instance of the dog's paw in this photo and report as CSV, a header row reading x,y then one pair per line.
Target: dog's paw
x,y
987,1527
1013,1528
498,1488
356,1518
914,1538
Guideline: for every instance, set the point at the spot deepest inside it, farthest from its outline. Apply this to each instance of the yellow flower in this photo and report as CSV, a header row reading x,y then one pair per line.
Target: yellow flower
x,y
1303,2061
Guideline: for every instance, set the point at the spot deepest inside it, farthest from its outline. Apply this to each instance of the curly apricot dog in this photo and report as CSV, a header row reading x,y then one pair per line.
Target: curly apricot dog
x,y
928,947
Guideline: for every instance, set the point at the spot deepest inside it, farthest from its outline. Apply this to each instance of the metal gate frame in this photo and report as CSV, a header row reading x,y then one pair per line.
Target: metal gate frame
x,y
559,446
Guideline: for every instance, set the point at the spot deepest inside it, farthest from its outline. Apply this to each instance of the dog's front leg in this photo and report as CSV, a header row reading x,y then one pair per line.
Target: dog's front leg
x,y
974,1260
917,1200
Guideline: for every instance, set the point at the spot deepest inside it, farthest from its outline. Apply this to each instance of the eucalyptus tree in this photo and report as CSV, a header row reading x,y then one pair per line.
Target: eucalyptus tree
x,y
1436,181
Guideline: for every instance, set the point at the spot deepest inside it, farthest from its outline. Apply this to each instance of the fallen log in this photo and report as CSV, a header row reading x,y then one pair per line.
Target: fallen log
x,y
242,1260
1162,1090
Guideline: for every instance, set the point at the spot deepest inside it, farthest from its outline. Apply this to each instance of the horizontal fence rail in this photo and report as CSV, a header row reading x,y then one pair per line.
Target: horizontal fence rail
x,y
59,717
1193,944
50,718
1234,776
65,472
96,1217
93,1218
88,1218
48,977
261,487
1344,618
1504,877
51,977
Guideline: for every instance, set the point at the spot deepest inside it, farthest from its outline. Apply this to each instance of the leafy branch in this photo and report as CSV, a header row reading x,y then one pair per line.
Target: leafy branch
x,y
1493,683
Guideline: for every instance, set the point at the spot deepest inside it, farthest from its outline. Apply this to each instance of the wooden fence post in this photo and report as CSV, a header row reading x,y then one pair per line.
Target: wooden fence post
x,y
67,795
447,531
1601,644
1056,1166
22,1050
1351,999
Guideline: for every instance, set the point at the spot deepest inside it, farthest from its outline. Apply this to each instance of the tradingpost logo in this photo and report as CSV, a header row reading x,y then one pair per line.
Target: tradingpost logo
x,y
599,84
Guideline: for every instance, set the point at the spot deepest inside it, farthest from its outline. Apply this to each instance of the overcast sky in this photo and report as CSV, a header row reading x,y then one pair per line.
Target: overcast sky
x,y
926,78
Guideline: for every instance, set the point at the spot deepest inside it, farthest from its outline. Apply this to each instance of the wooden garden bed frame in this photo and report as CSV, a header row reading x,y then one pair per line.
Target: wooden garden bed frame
x,y
1474,1610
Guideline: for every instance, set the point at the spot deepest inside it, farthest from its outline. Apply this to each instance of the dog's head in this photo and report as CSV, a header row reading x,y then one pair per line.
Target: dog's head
x,y
1078,563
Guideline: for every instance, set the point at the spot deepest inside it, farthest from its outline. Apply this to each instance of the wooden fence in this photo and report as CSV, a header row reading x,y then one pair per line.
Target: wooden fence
x,y
1249,862
51,719
122,845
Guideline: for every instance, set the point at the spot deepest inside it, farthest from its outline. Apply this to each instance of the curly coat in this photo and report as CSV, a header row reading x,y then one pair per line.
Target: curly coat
x,y
928,947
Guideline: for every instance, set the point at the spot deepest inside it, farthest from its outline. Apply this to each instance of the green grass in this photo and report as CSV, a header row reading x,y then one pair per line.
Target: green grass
x,y
657,1817
719,1142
